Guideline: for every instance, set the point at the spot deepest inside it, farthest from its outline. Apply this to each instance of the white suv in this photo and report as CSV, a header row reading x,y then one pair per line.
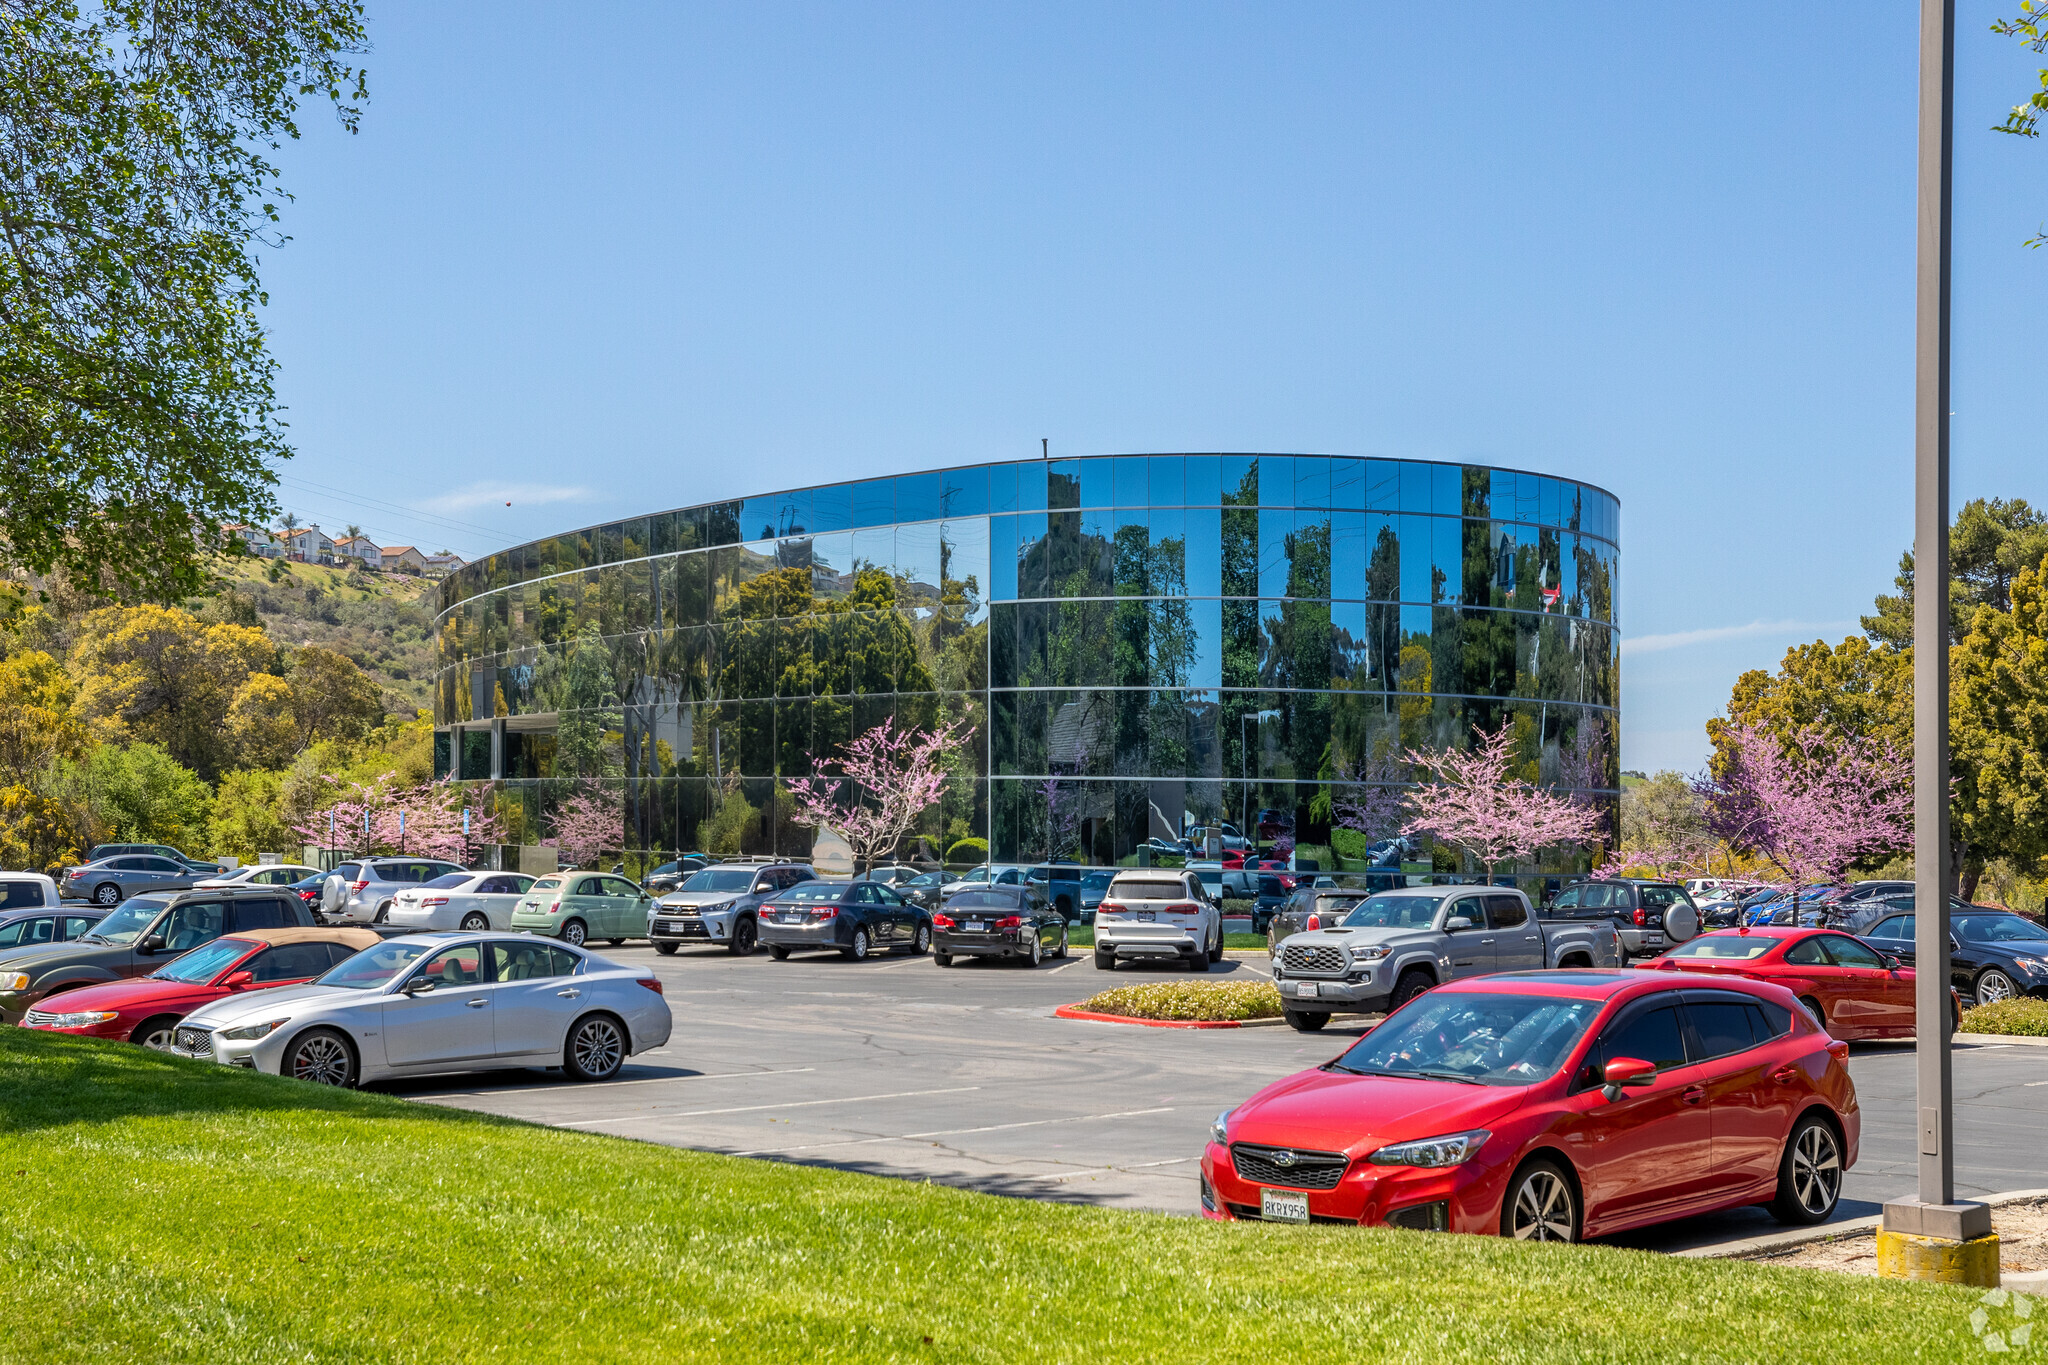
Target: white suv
x,y
1160,913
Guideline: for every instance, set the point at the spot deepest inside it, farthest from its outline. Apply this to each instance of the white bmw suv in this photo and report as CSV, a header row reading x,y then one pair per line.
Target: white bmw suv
x,y
1157,914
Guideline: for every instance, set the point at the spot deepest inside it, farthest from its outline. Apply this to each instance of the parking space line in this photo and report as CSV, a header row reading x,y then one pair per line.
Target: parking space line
x,y
644,1080
1146,1165
1066,966
955,1132
753,1108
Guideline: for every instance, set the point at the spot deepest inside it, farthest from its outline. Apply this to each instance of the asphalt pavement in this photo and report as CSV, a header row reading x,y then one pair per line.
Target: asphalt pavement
x,y
963,1076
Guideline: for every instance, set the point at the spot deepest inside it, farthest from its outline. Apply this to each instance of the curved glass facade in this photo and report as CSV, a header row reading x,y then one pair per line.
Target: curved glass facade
x,y
1139,642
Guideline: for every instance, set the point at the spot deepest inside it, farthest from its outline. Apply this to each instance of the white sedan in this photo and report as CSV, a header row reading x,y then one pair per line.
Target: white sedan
x,y
258,874
473,901
429,1003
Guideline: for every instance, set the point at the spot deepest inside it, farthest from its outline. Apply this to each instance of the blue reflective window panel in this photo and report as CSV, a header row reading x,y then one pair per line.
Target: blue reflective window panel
x,y
1207,668
1002,488
1168,535
1311,481
794,509
831,509
1205,552
1447,489
1528,497
1416,561
1098,482
1350,630
1031,490
1098,535
1382,485
1447,539
875,548
917,561
1063,485
966,492
1276,529
1308,572
1031,554
1547,501
1568,583
1133,481
1167,481
1002,558
1347,483
966,544
1204,480
1502,493
874,503
919,496
1350,552
1238,477
1418,487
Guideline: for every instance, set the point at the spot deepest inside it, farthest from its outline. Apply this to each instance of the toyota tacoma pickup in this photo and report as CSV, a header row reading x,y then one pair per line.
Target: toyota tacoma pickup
x,y
1394,945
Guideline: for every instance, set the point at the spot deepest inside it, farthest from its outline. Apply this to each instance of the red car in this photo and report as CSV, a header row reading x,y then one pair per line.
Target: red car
x,y
147,1009
1551,1106
1855,991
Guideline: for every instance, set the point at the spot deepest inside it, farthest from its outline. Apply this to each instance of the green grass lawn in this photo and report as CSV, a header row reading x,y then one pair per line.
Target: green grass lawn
x,y
159,1210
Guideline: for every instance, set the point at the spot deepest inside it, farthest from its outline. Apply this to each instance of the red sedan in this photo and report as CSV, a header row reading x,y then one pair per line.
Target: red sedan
x,y
147,1009
1855,990
1551,1106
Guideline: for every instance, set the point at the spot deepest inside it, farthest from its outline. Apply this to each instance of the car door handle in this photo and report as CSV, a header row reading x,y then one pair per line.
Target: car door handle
x,y
568,995
476,1004
1694,1094
1785,1075
1484,942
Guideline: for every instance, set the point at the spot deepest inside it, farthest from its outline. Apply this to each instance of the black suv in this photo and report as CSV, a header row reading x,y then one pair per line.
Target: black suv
x,y
1650,916
141,936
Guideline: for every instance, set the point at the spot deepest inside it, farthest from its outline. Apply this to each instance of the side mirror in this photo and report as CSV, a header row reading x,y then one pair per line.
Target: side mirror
x,y
419,985
1893,961
1455,923
237,980
1627,1073
151,943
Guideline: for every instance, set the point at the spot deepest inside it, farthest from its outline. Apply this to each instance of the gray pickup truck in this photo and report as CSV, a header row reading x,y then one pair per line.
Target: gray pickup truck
x,y
1394,945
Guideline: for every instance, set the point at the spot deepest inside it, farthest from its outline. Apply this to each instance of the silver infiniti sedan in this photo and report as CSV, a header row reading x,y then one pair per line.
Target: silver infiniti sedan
x,y
110,881
429,1003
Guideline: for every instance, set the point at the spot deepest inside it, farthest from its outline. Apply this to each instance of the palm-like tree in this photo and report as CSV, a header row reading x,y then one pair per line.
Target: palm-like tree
x,y
351,530
290,521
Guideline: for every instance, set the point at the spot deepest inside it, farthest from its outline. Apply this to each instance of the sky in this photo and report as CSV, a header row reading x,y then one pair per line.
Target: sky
x,y
589,261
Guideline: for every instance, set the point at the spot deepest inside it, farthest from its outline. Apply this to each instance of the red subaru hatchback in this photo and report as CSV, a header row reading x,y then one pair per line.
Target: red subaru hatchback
x,y
1554,1106
1855,990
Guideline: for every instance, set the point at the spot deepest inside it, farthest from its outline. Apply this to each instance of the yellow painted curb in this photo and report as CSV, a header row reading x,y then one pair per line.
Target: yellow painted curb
x,y
1903,1256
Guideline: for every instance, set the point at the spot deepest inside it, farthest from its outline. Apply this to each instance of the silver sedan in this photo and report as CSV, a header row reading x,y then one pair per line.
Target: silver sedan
x,y
428,1003
110,881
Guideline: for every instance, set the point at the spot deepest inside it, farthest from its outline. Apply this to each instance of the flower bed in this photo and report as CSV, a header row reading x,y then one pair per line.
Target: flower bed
x,y
1190,1000
2023,1016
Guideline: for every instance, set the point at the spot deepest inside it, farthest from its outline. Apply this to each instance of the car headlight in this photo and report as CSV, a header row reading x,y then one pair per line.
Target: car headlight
x,y
1452,1149
13,981
82,1019
1219,1130
1371,953
249,1031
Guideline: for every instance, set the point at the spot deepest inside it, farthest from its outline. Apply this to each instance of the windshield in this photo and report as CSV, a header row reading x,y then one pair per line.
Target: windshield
x,y
720,879
814,893
1097,881
449,882
1998,929
1393,912
979,874
1735,947
203,964
374,966
127,923
994,900
927,879
1149,891
1478,1038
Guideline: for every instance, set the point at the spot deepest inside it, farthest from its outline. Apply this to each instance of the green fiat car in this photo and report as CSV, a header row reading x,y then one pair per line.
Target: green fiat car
x,y
578,906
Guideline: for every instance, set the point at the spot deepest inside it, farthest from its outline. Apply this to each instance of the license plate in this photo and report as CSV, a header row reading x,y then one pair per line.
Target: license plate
x,y
1146,917
1283,1206
975,926
694,929
1307,988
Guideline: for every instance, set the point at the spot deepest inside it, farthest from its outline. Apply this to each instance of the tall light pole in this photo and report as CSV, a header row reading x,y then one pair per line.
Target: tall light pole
x,y
1931,1236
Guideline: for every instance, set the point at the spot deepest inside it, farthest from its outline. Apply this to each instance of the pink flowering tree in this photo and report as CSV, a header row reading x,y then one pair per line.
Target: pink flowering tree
x,y
1371,797
385,817
885,780
1469,800
587,822
1812,805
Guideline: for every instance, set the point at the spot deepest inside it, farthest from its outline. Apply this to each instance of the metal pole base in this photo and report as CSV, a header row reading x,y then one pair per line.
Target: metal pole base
x,y
1945,1243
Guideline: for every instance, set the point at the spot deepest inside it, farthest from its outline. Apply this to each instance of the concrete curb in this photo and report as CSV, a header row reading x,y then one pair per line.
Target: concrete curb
x,y
1770,1244
1998,1039
1089,1016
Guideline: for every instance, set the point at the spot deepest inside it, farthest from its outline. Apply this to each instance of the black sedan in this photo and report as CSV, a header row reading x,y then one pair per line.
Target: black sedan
x,y
1016,922
1993,954
858,919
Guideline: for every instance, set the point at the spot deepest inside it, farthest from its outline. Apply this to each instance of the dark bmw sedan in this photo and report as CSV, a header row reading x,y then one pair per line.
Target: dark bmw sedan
x,y
859,919
1993,954
1016,922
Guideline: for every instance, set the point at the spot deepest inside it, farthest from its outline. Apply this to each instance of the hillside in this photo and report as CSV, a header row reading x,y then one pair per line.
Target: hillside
x,y
382,621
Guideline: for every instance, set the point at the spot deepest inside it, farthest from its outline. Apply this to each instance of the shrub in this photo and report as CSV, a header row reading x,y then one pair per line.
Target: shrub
x,y
1190,1000
1233,906
968,851
1349,844
2023,1016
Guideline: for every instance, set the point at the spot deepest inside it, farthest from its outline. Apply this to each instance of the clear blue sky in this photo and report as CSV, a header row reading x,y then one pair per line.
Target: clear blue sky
x,y
596,260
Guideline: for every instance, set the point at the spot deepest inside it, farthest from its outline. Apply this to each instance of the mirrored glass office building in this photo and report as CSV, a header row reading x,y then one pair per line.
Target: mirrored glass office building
x,y
1140,643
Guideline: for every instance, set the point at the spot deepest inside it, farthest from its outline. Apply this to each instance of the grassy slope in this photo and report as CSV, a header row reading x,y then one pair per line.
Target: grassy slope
x,y
168,1211
383,621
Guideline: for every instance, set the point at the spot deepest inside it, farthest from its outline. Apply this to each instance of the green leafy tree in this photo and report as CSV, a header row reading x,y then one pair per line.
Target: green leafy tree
x,y
136,402
248,816
1998,732
1993,539
136,793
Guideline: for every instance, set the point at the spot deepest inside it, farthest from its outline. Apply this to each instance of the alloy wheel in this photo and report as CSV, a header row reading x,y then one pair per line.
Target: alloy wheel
x,y
475,924
743,937
572,933
1543,1208
159,1037
322,1060
1037,948
108,894
860,944
1995,986
1816,1169
922,942
598,1048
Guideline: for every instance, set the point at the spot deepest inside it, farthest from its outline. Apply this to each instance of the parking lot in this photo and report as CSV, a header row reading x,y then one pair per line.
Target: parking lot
x,y
963,1076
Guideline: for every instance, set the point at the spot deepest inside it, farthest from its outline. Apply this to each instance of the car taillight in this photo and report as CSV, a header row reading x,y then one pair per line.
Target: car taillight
x,y
1010,922
1314,922
1641,918
825,912
363,885
1109,908
435,900
554,907
942,921
650,983
1184,909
